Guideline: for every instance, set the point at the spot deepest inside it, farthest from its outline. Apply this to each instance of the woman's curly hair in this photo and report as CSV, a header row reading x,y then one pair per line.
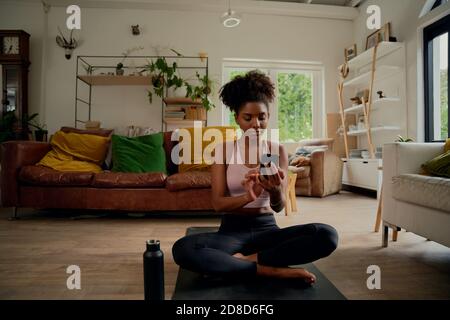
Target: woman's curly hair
x,y
254,86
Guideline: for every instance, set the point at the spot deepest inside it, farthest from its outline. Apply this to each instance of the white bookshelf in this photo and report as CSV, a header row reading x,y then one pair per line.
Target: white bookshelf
x,y
386,116
376,104
373,130
364,59
381,73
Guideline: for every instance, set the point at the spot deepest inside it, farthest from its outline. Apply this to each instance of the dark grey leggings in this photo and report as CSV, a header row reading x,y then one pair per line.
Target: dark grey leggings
x,y
211,253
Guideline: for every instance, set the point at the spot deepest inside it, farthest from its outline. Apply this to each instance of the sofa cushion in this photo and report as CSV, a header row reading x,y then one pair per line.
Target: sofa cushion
x,y
95,132
228,133
189,180
427,191
129,180
43,176
139,154
76,152
439,166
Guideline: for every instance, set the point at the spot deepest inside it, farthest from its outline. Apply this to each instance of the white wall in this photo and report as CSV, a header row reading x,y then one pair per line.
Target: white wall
x,y
404,18
106,32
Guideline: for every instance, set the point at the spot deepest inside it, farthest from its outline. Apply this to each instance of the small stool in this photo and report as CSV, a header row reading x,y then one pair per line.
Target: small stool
x,y
291,197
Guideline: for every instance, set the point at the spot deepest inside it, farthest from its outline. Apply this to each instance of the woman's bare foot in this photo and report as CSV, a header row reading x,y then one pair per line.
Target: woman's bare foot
x,y
252,257
286,273
281,273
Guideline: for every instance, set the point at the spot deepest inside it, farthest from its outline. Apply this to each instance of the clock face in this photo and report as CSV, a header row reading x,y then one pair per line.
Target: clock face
x,y
10,45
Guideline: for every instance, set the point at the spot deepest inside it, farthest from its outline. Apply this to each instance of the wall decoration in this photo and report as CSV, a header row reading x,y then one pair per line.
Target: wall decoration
x,y
383,34
135,30
350,53
68,45
381,95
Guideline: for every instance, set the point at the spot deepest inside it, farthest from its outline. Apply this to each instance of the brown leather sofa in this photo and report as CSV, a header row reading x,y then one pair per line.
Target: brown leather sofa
x,y
23,184
323,176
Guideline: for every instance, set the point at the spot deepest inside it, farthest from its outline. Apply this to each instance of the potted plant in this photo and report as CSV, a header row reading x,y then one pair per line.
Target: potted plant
x,y
163,77
40,133
119,69
7,125
202,91
402,139
88,68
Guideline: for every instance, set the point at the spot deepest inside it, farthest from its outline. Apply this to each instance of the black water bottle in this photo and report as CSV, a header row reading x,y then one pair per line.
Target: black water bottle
x,y
153,271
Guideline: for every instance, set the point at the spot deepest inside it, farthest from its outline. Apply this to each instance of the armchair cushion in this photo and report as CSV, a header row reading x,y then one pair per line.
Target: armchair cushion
x,y
426,191
302,172
300,161
439,166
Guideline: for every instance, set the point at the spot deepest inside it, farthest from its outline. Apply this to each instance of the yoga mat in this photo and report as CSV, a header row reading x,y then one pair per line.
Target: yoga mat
x,y
194,286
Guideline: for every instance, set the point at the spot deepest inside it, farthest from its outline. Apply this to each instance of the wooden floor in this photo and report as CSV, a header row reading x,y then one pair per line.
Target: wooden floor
x,y
36,250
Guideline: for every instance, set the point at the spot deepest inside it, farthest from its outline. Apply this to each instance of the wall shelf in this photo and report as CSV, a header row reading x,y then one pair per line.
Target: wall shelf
x,y
376,104
364,59
373,129
181,101
108,63
382,72
108,80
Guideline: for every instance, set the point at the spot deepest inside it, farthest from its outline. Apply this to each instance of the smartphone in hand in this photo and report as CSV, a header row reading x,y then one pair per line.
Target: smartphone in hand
x,y
268,165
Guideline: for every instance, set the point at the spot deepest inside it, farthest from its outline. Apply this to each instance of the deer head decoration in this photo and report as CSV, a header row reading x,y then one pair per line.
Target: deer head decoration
x,y
68,45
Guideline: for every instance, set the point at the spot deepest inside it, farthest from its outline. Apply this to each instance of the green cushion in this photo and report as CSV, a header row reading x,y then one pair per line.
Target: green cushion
x,y
138,154
439,166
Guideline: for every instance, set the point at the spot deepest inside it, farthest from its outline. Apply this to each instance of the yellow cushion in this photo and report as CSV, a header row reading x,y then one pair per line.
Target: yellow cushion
x,y
228,134
447,146
76,152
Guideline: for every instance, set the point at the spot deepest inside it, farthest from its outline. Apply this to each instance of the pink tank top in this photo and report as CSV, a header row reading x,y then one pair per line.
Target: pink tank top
x,y
236,172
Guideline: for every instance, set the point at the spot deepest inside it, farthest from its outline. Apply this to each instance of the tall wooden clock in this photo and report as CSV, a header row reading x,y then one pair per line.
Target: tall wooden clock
x,y
15,61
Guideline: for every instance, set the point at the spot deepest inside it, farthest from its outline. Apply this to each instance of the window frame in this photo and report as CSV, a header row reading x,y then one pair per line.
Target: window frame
x,y
316,69
431,32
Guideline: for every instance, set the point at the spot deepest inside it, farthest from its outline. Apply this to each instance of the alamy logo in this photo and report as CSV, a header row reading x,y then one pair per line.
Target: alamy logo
x,y
74,280
74,20
374,280
374,20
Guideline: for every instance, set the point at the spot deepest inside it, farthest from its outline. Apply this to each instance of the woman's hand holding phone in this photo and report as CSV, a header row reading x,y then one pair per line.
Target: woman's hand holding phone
x,y
271,182
251,184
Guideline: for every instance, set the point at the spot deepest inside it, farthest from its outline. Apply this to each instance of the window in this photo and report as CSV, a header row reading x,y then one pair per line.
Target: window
x,y
299,109
438,3
436,55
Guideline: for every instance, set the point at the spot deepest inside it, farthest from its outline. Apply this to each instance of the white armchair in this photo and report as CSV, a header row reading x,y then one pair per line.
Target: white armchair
x,y
417,203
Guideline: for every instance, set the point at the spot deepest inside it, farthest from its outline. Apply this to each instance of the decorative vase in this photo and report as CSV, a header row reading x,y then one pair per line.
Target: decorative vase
x,y
173,92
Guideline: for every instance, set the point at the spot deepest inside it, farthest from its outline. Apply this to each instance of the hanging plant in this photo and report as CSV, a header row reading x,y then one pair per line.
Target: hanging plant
x,y
163,77
202,91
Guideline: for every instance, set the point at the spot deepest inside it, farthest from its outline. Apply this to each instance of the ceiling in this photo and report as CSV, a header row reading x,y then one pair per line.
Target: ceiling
x,y
344,3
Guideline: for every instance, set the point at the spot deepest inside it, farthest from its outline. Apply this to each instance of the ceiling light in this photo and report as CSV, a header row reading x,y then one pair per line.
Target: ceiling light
x,y
230,18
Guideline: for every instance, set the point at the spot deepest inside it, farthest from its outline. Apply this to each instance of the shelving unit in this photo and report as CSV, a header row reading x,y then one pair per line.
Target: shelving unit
x,y
106,80
382,73
375,74
376,103
108,64
183,103
374,70
373,129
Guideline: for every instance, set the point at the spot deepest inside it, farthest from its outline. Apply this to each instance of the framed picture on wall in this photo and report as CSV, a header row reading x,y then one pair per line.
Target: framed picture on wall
x,y
350,53
378,36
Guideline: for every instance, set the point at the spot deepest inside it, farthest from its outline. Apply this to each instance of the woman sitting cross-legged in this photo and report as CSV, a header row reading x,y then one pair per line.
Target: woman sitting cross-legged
x,y
249,241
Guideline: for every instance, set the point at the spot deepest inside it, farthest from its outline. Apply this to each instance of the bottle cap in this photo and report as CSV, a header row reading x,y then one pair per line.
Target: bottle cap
x,y
153,245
